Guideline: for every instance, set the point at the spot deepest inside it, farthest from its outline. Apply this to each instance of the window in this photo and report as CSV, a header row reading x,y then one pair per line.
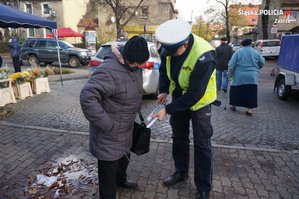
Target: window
x,y
144,12
31,32
46,9
29,9
29,43
52,44
41,44
9,4
271,43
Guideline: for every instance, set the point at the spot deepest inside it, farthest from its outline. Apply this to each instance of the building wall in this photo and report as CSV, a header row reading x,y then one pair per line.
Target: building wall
x,y
274,5
73,11
290,20
66,13
159,11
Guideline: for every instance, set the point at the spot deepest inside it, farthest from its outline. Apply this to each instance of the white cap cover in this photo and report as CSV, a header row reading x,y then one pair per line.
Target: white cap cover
x,y
173,32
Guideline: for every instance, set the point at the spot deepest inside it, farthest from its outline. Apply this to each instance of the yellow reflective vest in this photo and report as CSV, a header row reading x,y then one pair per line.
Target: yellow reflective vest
x,y
200,46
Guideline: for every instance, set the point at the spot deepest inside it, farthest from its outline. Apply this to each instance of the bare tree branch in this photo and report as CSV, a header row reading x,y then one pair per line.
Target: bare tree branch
x,y
220,2
133,14
123,14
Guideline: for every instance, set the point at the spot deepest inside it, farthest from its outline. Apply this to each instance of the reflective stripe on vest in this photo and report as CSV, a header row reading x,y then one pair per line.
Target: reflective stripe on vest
x,y
200,46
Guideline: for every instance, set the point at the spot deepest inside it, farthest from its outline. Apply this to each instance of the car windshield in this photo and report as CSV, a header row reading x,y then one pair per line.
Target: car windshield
x,y
103,51
271,43
64,44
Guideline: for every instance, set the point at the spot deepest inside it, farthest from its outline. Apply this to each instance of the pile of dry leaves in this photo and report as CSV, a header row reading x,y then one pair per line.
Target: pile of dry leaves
x,y
66,179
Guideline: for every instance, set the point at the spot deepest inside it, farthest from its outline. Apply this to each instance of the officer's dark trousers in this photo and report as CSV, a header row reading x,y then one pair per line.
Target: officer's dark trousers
x,y
16,64
202,132
112,173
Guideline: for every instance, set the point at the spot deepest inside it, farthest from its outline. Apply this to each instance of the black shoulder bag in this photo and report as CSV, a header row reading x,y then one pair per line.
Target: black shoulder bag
x,y
141,137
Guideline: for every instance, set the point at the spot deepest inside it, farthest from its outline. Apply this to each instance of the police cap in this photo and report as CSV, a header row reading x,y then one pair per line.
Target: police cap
x,y
173,34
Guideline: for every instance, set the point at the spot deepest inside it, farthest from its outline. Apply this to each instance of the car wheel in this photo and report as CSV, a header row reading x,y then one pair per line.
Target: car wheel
x,y
33,60
283,91
74,62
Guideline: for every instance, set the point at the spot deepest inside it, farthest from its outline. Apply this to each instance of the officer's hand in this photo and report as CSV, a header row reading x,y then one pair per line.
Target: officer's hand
x,y
162,98
161,114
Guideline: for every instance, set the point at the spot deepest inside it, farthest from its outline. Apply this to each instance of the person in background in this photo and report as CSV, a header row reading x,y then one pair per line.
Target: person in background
x,y
15,52
244,68
110,100
0,61
224,53
188,73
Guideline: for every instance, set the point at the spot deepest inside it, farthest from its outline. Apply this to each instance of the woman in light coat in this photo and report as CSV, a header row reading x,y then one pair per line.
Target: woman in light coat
x,y
244,68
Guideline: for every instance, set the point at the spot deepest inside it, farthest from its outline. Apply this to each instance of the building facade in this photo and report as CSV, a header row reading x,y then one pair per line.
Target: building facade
x,y
289,22
271,18
149,15
243,21
67,13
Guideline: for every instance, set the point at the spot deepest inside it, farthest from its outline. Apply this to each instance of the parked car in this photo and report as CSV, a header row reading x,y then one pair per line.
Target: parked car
x,y
287,71
150,69
235,47
268,47
37,50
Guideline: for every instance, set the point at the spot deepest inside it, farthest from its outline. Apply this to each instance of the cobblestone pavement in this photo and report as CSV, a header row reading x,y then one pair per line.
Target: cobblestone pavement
x,y
238,173
254,157
272,125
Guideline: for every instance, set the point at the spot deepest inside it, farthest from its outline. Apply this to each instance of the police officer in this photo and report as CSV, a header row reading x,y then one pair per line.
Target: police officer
x,y
187,72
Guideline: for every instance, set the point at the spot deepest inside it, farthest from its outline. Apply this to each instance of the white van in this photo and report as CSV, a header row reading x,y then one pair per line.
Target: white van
x,y
268,47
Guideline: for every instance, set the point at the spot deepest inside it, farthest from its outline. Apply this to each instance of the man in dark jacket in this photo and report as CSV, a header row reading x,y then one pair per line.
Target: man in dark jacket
x,y
110,100
224,53
15,52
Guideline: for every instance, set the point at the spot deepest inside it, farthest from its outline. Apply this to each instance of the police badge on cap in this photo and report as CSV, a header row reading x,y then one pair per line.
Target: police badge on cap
x,y
173,34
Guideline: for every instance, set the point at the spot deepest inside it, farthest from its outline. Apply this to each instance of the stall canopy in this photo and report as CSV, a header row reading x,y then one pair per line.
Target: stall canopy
x,y
13,18
10,17
66,32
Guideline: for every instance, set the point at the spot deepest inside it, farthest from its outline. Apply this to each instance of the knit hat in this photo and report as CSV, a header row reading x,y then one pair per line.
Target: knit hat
x,y
136,50
246,42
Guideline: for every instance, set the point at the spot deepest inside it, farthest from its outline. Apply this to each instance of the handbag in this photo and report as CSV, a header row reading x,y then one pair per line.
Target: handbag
x,y
141,137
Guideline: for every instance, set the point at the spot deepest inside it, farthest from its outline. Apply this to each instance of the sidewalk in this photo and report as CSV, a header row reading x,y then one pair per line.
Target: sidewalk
x,y
253,157
238,173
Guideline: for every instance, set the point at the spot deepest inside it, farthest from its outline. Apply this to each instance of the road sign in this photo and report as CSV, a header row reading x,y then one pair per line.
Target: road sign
x,y
273,30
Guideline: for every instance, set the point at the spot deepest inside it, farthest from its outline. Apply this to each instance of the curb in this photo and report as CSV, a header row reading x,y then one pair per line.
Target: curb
x,y
215,145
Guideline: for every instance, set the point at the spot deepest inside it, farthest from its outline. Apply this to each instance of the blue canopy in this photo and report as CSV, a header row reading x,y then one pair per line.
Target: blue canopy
x,y
10,17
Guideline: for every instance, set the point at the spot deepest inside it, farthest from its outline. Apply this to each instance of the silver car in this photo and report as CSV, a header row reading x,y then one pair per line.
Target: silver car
x,y
150,69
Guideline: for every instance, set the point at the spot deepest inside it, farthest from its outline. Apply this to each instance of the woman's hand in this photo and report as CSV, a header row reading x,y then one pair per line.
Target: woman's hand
x,y
161,114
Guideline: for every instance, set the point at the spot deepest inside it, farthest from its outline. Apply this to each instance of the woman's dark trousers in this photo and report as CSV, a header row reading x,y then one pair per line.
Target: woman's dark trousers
x,y
16,64
202,132
112,173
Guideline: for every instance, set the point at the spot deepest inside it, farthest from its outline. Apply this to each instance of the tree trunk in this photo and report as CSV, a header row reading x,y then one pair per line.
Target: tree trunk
x,y
265,21
118,29
227,25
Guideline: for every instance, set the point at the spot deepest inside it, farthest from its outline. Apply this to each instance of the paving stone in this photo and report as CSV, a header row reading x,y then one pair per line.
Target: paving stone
x,y
252,172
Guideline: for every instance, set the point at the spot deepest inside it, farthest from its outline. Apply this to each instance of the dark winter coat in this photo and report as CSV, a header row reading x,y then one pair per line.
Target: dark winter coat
x,y
110,100
14,47
224,53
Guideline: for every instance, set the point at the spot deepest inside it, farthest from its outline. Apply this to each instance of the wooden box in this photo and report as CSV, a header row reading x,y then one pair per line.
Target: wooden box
x,y
7,94
40,85
23,90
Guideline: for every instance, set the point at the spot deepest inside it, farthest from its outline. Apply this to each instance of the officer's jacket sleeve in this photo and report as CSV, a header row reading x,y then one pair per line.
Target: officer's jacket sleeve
x,y
199,80
164,82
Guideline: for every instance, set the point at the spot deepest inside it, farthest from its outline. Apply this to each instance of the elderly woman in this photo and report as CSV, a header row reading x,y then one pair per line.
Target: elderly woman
x,y
110,100
244,67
